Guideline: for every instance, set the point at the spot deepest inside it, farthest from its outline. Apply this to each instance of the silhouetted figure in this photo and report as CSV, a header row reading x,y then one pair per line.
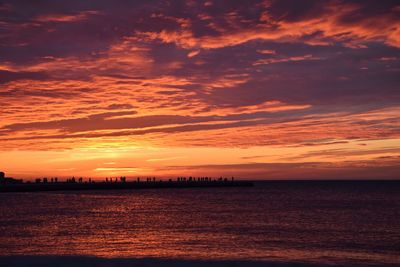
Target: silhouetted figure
x,y
56,179
44,180
80,179
38,180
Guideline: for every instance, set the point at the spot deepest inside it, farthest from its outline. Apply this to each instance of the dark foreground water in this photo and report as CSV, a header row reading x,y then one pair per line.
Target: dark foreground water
x,y
323,223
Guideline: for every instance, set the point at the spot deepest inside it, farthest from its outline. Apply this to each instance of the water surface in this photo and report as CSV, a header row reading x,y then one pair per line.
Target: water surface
x,y
346,223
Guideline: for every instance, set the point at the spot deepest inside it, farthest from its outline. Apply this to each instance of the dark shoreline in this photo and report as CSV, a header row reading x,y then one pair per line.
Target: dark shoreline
x,y
67,186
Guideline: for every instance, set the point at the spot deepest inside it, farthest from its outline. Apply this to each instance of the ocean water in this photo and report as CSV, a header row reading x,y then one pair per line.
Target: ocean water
x,y
322,223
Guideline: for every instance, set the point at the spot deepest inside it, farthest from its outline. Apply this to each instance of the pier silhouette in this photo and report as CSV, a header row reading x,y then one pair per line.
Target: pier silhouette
x,y
113,183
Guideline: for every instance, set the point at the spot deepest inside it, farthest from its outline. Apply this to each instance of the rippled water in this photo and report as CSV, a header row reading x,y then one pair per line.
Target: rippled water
x,y
331,222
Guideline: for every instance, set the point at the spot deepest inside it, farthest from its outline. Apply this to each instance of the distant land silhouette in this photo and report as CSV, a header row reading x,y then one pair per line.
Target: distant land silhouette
x,y
8,180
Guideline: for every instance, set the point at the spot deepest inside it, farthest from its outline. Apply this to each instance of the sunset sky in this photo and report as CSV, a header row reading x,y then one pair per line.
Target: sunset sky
x,y
273,89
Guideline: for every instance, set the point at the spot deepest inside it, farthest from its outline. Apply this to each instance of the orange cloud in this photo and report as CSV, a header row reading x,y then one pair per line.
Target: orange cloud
x,y
66,18
279,60
193,53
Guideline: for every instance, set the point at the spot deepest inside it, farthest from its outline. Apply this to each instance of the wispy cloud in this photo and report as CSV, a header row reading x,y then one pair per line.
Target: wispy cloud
x,y
66,17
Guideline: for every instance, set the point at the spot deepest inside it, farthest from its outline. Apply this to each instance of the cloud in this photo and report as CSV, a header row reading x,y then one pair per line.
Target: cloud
x,y
279,60
118,120
212,74
8,76
65,17
267,51
119,170
193,53
304,170
120,106
315,23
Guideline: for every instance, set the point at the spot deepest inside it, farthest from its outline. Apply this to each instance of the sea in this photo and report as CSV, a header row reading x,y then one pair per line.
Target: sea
x,y
274,223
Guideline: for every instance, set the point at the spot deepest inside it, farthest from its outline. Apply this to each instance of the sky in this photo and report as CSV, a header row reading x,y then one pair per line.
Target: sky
x,y
272,89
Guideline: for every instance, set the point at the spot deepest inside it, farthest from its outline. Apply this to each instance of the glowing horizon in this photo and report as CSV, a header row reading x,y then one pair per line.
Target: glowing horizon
x,y
260,89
